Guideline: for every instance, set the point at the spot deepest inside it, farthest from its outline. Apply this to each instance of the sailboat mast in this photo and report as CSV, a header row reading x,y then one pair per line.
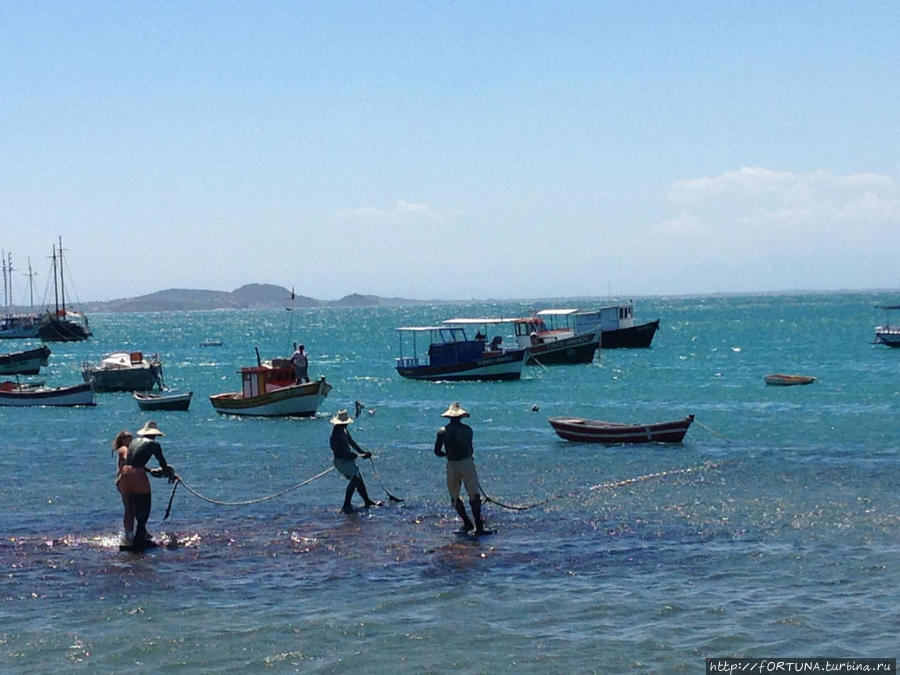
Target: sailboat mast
x,y
9,271
55,284
30,285
5,292
62,277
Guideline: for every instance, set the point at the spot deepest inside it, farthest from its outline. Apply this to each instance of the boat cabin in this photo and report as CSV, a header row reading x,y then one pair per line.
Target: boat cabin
x,y
445,345
605,318
261,379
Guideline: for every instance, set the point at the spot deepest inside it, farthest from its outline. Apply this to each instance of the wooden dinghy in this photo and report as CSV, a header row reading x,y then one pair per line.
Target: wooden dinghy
x,y
597,431
782,380
165,401
13,394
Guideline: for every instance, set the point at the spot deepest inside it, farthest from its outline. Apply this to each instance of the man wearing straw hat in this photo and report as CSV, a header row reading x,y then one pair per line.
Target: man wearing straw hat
x,y
345,460
456,437
140,450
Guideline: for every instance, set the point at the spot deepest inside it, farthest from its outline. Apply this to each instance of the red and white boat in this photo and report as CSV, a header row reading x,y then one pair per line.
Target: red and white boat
x,y
596,431
269,391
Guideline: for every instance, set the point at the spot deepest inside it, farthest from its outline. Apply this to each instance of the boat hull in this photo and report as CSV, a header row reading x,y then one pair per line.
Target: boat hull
x,y
297,400
52,329
125,379
889,337
506,366
634,337
27,362
152,402
76,395
781,380
577,349
611,433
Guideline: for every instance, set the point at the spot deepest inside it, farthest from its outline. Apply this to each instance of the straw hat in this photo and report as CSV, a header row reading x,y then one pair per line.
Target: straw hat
x,y
455,410
150,429
342,418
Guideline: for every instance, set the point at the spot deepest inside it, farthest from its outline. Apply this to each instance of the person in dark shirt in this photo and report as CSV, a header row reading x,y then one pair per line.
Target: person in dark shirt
x,y
345,460
137,491
454,441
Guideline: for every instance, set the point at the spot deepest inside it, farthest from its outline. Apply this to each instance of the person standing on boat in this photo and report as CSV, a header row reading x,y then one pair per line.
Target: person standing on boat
x,y
345,460
301,365
138,453
454,441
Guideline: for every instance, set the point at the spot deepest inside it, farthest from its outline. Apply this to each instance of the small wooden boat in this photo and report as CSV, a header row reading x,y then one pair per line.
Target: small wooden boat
x,y
269,391
14,394
596,431
164,401
780,379
27,362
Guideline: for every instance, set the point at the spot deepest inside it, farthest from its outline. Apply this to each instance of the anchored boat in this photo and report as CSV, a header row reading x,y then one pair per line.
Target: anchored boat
x,y
617,326
163,401
14,394
269,391
784,380
597,431
888,334
26,362
451,355
124,371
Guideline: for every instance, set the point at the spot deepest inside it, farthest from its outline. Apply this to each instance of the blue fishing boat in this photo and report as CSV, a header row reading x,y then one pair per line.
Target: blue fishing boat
x,y
451,355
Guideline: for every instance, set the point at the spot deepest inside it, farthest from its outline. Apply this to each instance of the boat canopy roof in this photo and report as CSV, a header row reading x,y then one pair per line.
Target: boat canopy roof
x,y
420,329
477,321
557,312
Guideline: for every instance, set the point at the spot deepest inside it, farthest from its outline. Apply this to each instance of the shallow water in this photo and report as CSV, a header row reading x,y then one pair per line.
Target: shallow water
x,y
771,531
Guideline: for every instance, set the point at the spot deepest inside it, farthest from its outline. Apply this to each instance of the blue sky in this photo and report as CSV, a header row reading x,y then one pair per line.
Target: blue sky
x,y
452,150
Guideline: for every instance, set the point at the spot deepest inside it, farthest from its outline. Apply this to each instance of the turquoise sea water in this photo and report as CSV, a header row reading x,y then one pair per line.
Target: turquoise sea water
x,y
775,530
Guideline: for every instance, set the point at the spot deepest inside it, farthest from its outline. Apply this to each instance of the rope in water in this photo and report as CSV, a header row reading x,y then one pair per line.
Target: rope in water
x,y
252,501
712,431
612,484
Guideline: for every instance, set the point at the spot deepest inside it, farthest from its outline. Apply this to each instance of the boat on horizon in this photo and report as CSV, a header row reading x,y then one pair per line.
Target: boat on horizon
x,y
268,390
124,371
61,325
617,326
452,356
888,334
612,433
555,344
25,362
15,394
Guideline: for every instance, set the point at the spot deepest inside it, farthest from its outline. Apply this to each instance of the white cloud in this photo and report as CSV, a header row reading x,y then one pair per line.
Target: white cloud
x,y
400,209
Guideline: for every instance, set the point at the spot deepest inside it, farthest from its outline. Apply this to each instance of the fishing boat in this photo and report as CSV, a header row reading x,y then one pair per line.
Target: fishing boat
x,y
611,433
549,342
888,334
451,355
124,371
617,326
14,394
783,380
269,391
26,362
211,343
62,325
163,401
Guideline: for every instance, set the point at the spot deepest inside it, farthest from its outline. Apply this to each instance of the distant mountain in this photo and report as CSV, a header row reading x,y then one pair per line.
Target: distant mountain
x,y
249,296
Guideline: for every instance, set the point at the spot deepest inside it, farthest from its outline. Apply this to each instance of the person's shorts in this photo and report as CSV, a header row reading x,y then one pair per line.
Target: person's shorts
x,y
462,471
347,467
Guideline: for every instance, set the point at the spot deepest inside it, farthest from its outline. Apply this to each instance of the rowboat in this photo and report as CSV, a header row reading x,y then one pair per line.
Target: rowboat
x,y
269,391
166,401
453,356
124,371
26,362
596,431
780,379
13,394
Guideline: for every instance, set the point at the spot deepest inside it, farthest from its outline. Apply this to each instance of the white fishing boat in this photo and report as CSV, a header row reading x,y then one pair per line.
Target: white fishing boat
x,y
617,326
269,390
124,371
888,334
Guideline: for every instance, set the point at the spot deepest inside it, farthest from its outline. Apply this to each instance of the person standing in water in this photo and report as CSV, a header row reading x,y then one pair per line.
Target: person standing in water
x,y
129,481
138,453
454,441
345,460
